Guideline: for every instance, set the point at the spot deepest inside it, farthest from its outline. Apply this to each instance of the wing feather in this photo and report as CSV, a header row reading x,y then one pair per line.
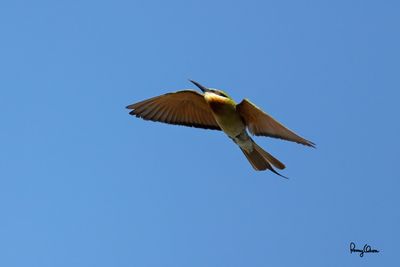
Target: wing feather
x,y
187,108
260,123
158,114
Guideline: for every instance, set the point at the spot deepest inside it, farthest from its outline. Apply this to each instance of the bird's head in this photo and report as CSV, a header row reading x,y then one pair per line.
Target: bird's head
x,y
211,91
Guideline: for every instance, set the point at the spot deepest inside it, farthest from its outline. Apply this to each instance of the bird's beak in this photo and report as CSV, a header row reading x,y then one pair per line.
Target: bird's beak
x,y
202,88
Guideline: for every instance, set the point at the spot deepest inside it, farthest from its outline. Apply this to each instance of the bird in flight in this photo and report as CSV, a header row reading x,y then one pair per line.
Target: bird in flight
x,y
216,110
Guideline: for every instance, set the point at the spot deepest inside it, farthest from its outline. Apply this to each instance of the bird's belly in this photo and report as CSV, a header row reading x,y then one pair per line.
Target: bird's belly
x,y
228,119
231,126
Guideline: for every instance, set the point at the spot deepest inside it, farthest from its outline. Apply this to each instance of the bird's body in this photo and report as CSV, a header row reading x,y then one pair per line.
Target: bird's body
x,y
227,117
216,110
224,111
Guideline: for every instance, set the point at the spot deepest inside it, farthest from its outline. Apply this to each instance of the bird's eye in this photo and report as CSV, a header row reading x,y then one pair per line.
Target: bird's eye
x,y
222,94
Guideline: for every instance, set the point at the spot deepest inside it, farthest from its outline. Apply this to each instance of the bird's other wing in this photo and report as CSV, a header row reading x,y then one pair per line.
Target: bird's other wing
x,y
260,123
186,107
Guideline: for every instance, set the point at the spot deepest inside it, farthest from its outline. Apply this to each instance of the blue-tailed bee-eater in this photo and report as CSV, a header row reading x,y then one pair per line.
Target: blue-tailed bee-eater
x,y
216,110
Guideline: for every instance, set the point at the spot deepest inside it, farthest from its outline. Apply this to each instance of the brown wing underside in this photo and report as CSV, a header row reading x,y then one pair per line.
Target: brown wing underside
x,y
187,108
260,123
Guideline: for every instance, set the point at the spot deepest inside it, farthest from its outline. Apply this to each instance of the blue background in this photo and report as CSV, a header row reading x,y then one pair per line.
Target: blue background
x,y
82,183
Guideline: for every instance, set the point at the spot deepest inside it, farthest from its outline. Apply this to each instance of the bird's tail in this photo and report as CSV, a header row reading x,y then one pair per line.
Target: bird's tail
x,y
262,160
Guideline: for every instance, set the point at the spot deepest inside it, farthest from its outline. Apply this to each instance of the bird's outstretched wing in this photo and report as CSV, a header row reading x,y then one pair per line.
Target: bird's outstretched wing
x,y
186,107
260,123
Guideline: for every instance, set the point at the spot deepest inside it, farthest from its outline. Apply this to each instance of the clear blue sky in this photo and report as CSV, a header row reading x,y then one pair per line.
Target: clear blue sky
x,y
82,183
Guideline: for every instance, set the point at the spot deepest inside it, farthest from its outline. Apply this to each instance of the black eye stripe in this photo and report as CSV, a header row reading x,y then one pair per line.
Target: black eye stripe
x,y
219,93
